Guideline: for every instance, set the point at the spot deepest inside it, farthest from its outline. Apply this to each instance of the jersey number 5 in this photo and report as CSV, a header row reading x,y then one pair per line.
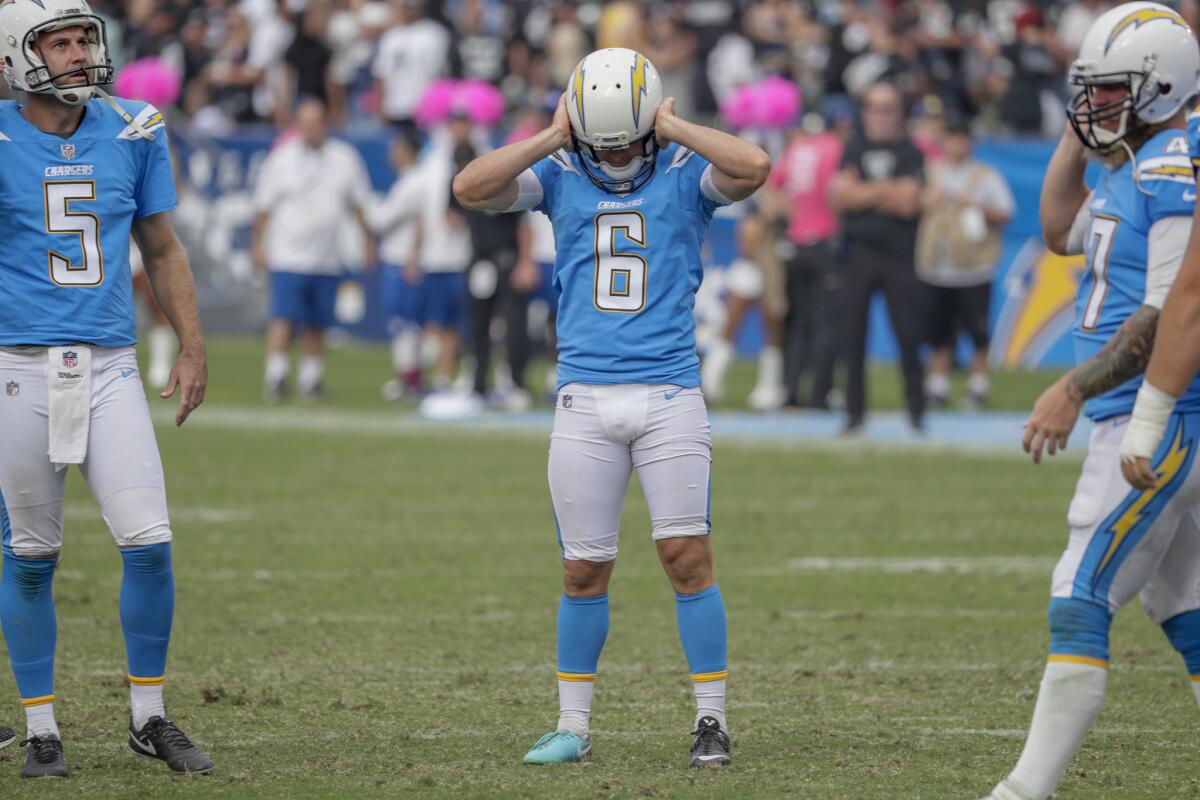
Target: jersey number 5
x,y
620,277
62,219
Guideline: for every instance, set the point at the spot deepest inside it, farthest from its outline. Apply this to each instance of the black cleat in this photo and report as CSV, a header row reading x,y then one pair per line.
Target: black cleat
x,y
7,736
160,739
712,748
43,757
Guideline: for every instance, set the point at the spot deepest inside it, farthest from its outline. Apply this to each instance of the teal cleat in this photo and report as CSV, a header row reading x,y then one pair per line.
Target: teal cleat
x,y
559,747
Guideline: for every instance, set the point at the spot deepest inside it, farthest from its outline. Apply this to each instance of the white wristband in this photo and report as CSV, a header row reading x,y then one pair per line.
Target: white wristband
x,y
1151,413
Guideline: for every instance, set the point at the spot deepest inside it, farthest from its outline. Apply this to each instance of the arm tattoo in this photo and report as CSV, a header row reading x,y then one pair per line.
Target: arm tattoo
x,y
1124,356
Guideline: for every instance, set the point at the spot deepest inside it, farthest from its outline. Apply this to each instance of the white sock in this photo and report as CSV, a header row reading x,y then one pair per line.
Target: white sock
x,y
406,350
162,351
146,702
575,706
311,370
1196,688
39,720
978,383
770,366
937,385
714,366
277,368
1068,702
710,701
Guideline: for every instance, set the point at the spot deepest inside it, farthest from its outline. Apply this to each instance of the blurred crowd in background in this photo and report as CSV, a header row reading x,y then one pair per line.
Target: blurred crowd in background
x,y
444,82
1000,63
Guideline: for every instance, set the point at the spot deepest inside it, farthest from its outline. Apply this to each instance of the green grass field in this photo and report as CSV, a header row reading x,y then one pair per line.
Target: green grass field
x,y
368,611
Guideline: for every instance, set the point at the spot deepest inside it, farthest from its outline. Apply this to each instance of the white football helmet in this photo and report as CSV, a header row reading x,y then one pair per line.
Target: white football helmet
x,y
1147,47
22,21
612,98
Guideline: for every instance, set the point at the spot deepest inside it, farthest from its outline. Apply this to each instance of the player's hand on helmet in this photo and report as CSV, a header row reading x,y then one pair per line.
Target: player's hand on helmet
x,y
662,121
562,122
1051,421
190,377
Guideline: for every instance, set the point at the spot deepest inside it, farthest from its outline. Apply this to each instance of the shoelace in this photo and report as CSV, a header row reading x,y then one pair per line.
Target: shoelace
x,y
709,736
45,751
165,730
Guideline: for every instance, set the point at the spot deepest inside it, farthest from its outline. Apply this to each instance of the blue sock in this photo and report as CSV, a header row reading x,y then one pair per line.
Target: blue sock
x,y
1184,632
29,624
147,608
701,619
1079,630
582,629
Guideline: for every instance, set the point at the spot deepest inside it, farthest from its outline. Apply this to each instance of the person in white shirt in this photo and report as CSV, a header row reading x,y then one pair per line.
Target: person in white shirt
x,y
411,56
395,219
307,187
967,203
444,240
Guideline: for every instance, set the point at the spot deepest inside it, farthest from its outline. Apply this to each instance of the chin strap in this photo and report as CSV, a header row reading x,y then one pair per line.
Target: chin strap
x,y
125,115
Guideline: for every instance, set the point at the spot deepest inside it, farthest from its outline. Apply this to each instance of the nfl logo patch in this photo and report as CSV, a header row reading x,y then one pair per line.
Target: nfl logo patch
x,y
67,149
12,388
567,401
70,358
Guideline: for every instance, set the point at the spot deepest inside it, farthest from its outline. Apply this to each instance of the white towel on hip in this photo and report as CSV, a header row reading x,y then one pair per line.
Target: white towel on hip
x,y
69,380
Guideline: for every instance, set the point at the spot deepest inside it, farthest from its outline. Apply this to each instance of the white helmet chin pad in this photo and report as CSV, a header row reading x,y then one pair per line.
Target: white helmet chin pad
x,y
623,173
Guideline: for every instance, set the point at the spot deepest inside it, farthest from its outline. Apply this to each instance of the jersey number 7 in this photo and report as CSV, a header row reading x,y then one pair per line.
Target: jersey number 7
x,y
620,277
64,220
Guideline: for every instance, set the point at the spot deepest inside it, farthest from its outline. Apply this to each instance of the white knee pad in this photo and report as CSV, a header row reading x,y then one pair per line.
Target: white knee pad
x,y
679,527
137,516
598,549
37,531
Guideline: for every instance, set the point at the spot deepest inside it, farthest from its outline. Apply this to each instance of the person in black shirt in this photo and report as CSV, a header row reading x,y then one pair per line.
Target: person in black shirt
x,y
878,194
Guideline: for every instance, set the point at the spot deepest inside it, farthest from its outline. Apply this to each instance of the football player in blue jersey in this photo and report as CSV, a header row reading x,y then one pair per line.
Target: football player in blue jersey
x,y
629,188
79,171
1137,67
1171,368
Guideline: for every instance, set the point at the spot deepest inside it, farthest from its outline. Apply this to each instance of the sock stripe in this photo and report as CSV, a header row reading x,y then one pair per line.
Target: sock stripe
x,y
1092,662
148,681
576,677
708,677
1196,678
37,701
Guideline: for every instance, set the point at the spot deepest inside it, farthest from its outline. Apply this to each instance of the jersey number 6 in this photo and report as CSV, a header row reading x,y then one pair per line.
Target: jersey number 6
x,y
620,277
62,219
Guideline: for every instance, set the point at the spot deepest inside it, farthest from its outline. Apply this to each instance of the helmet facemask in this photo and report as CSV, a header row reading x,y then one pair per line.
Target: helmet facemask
x,y
619,180
38,78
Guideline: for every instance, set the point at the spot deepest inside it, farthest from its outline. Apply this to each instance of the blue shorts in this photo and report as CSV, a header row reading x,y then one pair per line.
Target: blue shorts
x,y
304,299
443,297
401,298
546,290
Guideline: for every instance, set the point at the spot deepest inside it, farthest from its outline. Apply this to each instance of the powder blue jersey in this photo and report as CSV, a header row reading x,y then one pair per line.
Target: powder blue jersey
x,y
628,267
1193,126
1114,284
66,206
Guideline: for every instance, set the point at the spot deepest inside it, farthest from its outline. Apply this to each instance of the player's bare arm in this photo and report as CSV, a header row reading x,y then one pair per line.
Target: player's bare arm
x,y
258,235
1124,356
739,168
1063,192
171,278
489,183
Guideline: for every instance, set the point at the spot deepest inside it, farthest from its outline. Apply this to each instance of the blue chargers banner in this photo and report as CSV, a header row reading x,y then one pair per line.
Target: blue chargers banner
x,y
1032,300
